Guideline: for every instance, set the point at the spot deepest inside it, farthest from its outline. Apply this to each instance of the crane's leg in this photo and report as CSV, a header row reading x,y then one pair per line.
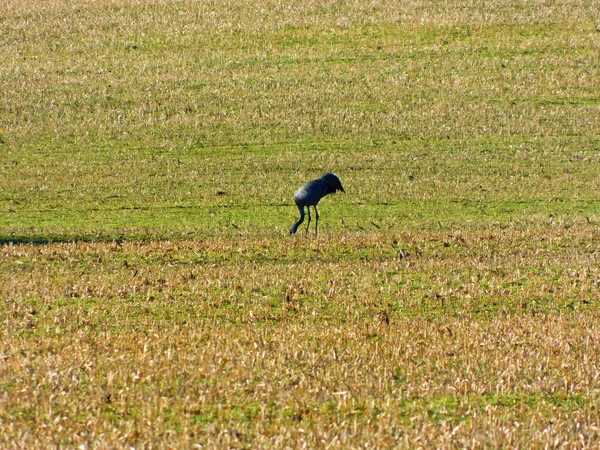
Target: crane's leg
x,y
308,224
297,224
316,221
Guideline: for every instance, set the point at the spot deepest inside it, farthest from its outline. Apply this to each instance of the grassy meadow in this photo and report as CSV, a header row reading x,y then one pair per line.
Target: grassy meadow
x,y
151,296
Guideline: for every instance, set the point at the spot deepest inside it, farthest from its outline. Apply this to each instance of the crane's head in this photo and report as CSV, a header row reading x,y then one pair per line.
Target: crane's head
x,y
333,183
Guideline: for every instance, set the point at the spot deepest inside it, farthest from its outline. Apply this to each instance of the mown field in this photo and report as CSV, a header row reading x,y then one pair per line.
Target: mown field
x,y
151,296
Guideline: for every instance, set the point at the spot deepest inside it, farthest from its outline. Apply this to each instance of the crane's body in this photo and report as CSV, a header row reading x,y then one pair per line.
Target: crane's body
x,y
309,194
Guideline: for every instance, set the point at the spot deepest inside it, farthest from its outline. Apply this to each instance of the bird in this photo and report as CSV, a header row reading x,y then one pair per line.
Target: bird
x,y
309,194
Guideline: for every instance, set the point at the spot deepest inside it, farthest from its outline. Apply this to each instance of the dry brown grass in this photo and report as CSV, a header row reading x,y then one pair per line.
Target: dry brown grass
x,y
412,340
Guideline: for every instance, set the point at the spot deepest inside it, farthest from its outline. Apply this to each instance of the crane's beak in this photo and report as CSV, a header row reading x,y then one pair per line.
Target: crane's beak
x,y
342,189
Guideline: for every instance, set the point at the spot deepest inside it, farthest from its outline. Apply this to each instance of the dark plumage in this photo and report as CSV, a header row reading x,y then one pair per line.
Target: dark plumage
x,y
309,194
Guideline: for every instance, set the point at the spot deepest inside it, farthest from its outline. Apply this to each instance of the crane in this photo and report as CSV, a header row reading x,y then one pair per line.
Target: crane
x,y
310,193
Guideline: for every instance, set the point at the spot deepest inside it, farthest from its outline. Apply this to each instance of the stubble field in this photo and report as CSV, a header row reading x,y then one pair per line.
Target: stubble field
x,y
152,298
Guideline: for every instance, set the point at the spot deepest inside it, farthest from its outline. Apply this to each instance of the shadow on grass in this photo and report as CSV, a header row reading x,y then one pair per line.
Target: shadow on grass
x,y
116,237
58,239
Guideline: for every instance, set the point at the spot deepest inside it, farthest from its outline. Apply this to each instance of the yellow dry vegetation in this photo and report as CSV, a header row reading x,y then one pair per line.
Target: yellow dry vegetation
x,y
429,339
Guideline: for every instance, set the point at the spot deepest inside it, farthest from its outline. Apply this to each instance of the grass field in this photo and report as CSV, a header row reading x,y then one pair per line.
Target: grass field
x,y
152,297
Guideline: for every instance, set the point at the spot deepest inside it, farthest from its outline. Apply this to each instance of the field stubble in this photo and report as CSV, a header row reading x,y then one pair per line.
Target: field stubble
x,y
415,339
151,297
